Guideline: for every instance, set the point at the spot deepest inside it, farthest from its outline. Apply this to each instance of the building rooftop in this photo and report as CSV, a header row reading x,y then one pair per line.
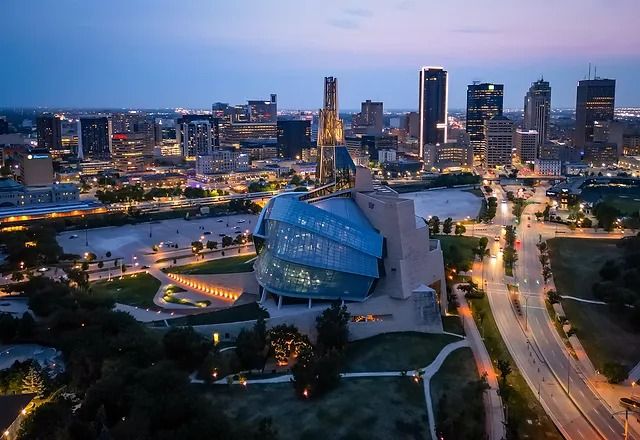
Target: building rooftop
x,y
11,406
8,184
345,208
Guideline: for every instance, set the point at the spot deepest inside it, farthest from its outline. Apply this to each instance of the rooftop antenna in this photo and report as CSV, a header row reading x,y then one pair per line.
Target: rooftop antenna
x,y
589,70
595,72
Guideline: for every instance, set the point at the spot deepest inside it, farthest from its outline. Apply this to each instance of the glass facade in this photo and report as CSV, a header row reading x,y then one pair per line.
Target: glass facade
x,y
308,251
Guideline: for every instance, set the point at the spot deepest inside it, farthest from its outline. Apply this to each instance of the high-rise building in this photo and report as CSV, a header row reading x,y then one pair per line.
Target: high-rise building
x,y
293,137
138,123
216,126
49,129
594,102
263,111
36,168
499,140
197,138
94,137
237,132
432,106
537,105
412,122
370,120
484,101
330,132
526,145
128,152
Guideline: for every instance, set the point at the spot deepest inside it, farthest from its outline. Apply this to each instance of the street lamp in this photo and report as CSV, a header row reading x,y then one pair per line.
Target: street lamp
x,y
626,422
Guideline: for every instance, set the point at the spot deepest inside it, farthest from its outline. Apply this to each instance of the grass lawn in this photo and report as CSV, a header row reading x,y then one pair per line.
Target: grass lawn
x,y
475,191
452,388
221,265
465,246
371,408
605,336
452,324
244,312
523,404
626,205
134,290
395,351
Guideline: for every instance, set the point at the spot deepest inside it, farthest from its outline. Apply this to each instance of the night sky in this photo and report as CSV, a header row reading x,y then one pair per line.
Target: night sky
x,y
190,53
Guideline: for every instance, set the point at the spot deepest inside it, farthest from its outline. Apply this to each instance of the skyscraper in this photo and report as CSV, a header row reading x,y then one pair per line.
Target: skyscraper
x,y
138,123
370,120
594,102
4,126
537,105
49,129
128,152
330,132
484,101
263,111
499,140
432,106
293,137
94,137
197,138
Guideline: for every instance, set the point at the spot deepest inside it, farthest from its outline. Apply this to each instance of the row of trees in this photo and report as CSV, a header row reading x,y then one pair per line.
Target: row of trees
x,y
136,193
544,261
447,226
490,210
509,253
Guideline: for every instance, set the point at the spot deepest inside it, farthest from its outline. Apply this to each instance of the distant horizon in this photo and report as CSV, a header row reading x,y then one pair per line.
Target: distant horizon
x,y
167,54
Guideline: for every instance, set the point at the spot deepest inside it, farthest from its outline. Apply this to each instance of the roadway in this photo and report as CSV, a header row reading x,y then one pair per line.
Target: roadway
x,y
537,349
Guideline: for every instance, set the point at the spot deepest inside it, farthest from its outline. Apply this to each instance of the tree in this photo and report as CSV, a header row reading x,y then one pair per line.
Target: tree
x,y
606,214
447,226
17,276
615,372
85,266
553,297
251,344
196,247
505,369
609,271
108,254
186,347
460,229
33,382
434,225
286,341
546,273
266,430
227,241
79,278
100,264
333,328
8,328
212,245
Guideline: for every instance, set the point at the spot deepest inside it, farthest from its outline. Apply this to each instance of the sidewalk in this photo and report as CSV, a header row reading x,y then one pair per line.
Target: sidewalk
x,y
494,413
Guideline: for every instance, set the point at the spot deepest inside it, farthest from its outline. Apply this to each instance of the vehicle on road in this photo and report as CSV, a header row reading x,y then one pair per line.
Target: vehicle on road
x,y
241,221
71,237
206,233
219,220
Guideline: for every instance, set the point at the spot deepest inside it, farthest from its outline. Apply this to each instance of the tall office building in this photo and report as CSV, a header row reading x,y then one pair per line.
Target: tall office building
x,y
370,120
537,105
197,138
138,123
484,101
293,137
36,168
594,102
128,152
263,111
94,138
499,140
432,107
49,129
526,145
215,123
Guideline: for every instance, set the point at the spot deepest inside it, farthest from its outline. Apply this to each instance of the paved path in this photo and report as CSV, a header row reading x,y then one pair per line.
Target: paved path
x,y
590,301
427,373
494,413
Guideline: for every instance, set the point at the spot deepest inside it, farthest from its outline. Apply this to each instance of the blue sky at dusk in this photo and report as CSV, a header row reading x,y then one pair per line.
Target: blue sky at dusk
x,y
190,53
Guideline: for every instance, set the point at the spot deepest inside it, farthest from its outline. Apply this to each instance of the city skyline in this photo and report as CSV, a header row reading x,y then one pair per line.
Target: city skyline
x,y
166,55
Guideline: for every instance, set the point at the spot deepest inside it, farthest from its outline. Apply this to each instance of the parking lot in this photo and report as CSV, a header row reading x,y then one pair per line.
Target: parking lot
x,y
135,240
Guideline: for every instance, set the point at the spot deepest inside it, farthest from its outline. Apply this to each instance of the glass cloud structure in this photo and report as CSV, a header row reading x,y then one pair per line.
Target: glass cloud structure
x,y
322,250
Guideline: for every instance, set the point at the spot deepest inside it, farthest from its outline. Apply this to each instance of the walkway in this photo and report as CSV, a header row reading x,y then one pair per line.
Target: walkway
x,y
426,373
494,413
589,301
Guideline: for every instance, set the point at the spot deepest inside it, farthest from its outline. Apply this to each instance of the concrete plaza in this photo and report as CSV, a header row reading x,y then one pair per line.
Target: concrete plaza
x,y
136,240
454,203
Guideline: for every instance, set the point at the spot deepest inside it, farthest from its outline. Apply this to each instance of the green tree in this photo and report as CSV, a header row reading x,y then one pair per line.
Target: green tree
x,y
460,229
434,225
447,226
266,430
196,247
33,382
615,372
212,245
251,346
186,347
504,367
333,328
